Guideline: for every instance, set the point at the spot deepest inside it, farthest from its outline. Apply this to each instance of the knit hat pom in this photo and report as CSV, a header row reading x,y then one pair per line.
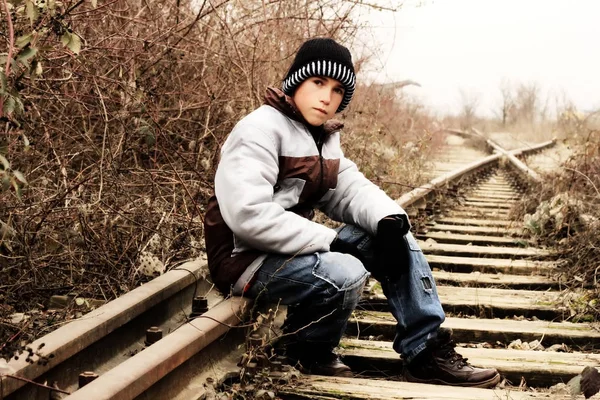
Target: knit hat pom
x,y
322,57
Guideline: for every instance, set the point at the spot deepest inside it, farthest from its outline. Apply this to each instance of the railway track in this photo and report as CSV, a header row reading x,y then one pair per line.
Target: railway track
x,y
495,287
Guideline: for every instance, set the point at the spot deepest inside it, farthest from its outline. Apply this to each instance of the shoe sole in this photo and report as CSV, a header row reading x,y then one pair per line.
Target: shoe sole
x,y
345,373
482,385
339,374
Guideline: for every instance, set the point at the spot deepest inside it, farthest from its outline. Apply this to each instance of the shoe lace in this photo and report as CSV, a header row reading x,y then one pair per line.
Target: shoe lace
x,y
447,351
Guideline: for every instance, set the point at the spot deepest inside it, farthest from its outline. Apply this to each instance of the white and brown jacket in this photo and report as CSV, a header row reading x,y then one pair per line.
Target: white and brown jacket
x,y
274,170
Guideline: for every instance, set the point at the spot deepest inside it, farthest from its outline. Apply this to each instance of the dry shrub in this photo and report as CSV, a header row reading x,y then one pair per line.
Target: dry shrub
x,y
114,114
390,138
565,213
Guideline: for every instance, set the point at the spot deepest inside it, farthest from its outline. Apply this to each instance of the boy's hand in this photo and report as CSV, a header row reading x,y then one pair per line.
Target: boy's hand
x,y
340,246
391,247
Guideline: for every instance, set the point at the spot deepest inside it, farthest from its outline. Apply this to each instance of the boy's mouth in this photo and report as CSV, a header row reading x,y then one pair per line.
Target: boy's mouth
x,y
321,110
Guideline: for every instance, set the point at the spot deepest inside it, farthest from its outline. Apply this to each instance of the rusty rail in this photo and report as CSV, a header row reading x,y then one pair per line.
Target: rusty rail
x,y
137,374
511,156
77,335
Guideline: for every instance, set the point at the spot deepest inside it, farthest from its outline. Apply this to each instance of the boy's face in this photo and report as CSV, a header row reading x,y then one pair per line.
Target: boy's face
x,y
318,98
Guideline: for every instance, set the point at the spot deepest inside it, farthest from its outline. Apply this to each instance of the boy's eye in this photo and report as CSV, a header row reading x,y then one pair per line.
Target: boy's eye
x,y
339,91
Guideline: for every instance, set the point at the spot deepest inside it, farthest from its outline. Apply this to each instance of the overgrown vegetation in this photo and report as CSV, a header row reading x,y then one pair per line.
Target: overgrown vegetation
x,y
112,116
565,214
390,138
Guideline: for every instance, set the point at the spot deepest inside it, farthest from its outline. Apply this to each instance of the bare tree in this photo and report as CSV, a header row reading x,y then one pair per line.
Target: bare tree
x,y
507,104
469,105
527,102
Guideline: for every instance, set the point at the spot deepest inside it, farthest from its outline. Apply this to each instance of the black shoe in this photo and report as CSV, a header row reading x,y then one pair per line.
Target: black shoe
x,y
312,359
331,365
440,364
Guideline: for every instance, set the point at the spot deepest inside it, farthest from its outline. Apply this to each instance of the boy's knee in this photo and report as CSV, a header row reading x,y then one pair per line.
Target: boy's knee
x,y
343,271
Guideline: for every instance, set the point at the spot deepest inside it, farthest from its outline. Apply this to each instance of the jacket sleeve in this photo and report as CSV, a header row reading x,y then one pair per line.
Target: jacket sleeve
x,y
358,201
244,184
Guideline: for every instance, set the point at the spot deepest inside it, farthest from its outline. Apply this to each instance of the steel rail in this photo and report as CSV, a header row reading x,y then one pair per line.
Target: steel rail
x,y
420,193
532,148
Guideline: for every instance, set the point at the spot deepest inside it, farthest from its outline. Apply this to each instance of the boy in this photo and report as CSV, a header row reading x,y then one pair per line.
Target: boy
x,y
278,164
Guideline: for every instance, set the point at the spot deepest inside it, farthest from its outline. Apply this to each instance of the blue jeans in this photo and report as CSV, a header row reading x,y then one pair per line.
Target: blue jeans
x,y
322,289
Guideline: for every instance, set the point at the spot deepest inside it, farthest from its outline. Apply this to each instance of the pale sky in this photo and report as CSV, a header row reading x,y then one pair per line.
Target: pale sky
x,y
449,45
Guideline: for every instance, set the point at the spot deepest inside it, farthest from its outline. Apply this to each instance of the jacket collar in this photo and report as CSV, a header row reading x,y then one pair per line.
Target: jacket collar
x,y
275,98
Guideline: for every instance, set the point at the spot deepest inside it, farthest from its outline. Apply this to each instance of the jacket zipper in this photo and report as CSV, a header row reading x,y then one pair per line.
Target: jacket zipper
x,y
320,149
319,143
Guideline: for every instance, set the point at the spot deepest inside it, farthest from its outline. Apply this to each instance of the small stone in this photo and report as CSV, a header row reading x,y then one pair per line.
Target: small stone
x,y
516,345
559,388
5,368
558,347
17,318
536,345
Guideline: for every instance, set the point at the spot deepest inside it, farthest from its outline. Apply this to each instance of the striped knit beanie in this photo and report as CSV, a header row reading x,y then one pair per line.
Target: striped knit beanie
x,y
322,57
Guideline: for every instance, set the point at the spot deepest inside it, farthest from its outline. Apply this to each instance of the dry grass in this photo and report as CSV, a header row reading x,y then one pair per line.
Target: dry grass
x,y
390,138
